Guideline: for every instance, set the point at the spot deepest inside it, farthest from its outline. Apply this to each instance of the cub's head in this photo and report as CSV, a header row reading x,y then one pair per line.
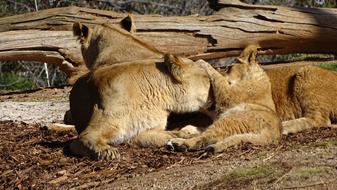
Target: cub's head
x,y
109,44
191,75
184,69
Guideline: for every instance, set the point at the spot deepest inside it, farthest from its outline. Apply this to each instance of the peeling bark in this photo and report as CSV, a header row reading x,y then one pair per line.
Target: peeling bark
x,y
46,35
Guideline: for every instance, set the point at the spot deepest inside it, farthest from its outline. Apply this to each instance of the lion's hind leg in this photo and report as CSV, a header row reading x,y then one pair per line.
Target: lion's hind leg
x,y
304,123
216,132
262,138
235,126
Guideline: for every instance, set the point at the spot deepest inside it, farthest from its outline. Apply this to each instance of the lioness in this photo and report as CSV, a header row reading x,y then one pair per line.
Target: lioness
x,y
304,96
119,99
244,106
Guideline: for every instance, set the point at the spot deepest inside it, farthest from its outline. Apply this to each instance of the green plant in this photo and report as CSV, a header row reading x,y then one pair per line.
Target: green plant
x,y
13,81
326,143
330,66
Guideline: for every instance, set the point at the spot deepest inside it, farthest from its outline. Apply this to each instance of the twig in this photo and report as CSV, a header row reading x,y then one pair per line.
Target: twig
x,y
283,176
269,157
313,184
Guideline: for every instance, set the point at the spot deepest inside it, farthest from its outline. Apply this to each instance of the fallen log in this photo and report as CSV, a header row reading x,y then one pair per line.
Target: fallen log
x,y
46,35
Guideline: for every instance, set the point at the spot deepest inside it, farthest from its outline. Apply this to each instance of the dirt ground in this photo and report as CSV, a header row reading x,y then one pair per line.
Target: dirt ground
x,y
35,158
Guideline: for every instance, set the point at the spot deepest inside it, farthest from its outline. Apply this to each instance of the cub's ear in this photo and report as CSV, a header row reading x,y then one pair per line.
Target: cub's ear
x,y
128,24
80,30
248,55
176,67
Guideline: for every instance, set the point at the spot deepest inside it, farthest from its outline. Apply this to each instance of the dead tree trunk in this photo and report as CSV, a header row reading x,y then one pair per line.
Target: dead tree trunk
x,y
46,35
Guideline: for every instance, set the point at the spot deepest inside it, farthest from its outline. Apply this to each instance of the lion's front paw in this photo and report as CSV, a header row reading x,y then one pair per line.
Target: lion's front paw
x,y
176,144
94,150
106,153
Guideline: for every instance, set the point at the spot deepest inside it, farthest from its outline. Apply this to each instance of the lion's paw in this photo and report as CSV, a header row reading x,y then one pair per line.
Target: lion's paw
x,y
176,144
287,129
106,153
285,132
94,151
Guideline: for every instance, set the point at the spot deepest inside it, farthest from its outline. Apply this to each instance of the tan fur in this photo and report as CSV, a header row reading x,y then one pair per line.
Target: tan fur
x,y
304,96
109,44
244,105
117,102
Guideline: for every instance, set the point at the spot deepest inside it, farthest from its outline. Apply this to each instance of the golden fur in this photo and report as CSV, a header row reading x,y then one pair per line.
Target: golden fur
x,y
131,100
304,96
110,44
123,100
244,105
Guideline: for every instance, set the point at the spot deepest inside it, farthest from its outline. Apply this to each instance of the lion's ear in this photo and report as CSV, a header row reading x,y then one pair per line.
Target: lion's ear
x,y
80,30
128,24
248,55
176,67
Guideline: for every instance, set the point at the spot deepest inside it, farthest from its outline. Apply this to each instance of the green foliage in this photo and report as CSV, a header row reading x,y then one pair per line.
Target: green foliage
x,y
4,9
294,57
329,66
246,176
327,143
9,8
302,56
255,171
307,172
13,81
297,3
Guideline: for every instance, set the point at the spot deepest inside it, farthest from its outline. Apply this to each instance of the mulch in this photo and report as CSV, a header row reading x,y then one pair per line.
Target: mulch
x,y
35,158
40,94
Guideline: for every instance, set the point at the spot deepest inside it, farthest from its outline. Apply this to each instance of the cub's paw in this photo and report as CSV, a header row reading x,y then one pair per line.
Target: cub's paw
x,y
287,130
176,144
187,132
216,148
293,126
211,149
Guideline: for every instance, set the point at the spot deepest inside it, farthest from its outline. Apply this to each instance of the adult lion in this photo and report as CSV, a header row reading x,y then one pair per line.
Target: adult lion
x,y
304,96
121,99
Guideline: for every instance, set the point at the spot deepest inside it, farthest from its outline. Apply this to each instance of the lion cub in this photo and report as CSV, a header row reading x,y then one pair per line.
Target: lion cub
x,y
121,100
244,105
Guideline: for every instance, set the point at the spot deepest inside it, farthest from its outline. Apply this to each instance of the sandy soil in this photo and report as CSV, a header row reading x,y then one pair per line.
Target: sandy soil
x,y
32,157
41,107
